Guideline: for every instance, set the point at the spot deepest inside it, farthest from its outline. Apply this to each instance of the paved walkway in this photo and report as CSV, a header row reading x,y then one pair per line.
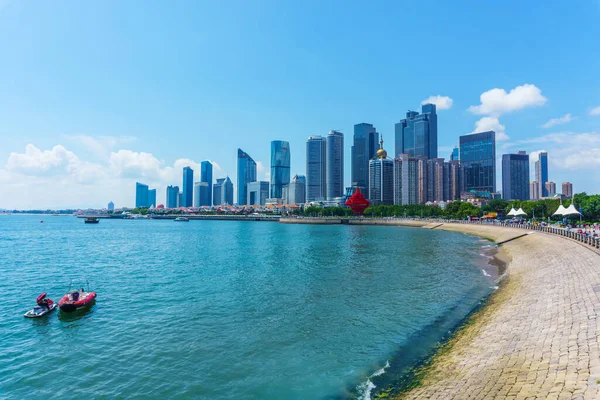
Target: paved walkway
x,y
539,336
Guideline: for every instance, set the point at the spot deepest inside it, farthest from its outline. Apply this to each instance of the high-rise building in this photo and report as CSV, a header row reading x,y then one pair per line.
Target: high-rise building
x,y
534,191
179,199
141,195
364,148
316,171
258,193
515,176
406,169
246,174
335,165
280,167
550,188
172,193
223,192
152,198
567,189
206,175
111,206
454,155
295,190
200,194
435,180
416,135
541,174
455,177
188,187
381,177
478,160
302,178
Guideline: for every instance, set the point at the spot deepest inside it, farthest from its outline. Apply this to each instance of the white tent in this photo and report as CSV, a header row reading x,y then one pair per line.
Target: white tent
x,y
520,212
571,210
512,212
561,210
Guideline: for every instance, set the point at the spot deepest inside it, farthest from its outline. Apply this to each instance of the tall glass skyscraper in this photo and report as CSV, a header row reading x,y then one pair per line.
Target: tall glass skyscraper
x,y
478,158
515,176
188,187
280,167
200,193
416,135
172,193
381,178
335,165
206,175
365,145
246,174
454,155
152,198
541,174
316,171
258,192
223,192
141,195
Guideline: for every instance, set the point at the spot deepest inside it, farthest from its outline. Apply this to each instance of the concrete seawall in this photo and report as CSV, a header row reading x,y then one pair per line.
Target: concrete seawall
x,y
356,221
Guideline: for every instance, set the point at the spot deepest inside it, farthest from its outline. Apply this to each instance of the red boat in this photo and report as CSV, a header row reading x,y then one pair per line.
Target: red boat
x,y
76,299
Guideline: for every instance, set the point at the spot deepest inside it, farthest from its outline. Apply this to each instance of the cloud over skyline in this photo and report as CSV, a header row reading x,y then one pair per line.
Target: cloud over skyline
x,y
441,102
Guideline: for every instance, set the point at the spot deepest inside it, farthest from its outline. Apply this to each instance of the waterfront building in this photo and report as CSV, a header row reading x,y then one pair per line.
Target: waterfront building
x,y
200,193
416,135
381,178
188,187
179,199
223,192
550,189
406,181
567,189
478,160
206,175
541,174
454,155
302,178
141,195
295,191
335,165
316,172
246,174
534,192
152,198
280,166
111,206
515,176
363,150
421,180
258,192
172,193
435,179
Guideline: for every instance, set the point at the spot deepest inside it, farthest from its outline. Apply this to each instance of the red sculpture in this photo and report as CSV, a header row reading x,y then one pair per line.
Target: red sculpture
x,y
358,203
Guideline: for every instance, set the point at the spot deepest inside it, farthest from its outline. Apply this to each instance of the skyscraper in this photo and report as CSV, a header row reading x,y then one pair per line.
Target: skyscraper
x,y
172,193
364,148
541,174
534,191
435,180
111,206
567,189
550,188
381,178
296,191
335,165
152,198
141,195
515,176
223,192
416,135
478,159
200,194
280,167
316,171
206,175
258,193
246,174
406,180
188,187
454,155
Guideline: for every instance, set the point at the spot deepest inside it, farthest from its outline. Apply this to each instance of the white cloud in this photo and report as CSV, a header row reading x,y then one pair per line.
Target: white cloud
x,y
496,102
100,145
558,121
491,124
595,111
441,102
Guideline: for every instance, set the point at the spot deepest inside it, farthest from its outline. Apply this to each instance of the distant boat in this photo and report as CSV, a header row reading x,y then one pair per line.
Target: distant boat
x,y
182,219
91,220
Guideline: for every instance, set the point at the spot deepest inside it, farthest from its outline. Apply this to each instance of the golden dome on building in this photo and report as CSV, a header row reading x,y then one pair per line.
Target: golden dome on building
x,y
381,153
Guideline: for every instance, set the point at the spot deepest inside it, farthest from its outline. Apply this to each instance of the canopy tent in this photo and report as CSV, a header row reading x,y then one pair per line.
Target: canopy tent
x,y
520,212
571,210
560,211
512,212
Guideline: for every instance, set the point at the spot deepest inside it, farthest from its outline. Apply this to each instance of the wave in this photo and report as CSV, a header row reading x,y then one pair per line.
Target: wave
x,y
364,389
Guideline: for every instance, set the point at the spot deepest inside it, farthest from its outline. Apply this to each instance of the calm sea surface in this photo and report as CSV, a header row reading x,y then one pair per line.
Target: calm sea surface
x,y
227,310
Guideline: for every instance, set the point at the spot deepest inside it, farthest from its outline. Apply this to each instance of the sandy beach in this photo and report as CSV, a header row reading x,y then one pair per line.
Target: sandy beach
x,y
538,335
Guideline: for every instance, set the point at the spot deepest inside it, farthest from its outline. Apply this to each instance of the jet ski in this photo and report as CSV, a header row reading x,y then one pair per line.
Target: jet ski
x,y
44,306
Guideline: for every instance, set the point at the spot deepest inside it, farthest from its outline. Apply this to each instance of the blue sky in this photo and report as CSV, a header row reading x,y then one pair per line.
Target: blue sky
x,y
98,94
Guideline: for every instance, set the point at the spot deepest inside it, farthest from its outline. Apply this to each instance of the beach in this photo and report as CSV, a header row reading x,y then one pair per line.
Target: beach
x,y
537,337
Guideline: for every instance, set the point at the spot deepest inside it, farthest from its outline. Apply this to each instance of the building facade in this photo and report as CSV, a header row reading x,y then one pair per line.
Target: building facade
x,y
172,193
280,166
152,198
258,193
141,195
534,192
454,156
188,187
550,188
246,174
335,165
416,135
515,176
381,178
365,146
201,194
111,206
541,174
316,171
295,191
478,160
223,192
567,189
406,181
206,175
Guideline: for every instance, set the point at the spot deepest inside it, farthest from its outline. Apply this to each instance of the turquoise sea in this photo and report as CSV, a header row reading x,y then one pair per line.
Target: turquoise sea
x,y
227,309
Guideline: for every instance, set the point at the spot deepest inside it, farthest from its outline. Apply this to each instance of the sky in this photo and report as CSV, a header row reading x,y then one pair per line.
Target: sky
x,y
96,95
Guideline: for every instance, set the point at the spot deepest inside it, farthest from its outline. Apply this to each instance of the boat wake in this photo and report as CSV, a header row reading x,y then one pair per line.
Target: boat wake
x,y
364,389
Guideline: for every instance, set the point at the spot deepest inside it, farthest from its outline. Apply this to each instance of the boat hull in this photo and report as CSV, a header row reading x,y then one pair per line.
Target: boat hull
x,y
67,305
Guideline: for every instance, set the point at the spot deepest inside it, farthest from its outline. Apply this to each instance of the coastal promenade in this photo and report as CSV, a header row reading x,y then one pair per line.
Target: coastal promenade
x,y
538,337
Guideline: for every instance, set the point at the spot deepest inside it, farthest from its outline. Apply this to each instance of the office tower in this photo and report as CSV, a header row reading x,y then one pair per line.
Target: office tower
x,y
246,174
363,150
223,192
567,189
534,191
172,193
280,167
179,199
550,188
206,175
188,187
478,159
515,176
406,169
316,171
201,196
152,198
454,154
141,195
295,191
381,178
335,165
541,174
302,178
111,206
416,135
258,193
435,179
